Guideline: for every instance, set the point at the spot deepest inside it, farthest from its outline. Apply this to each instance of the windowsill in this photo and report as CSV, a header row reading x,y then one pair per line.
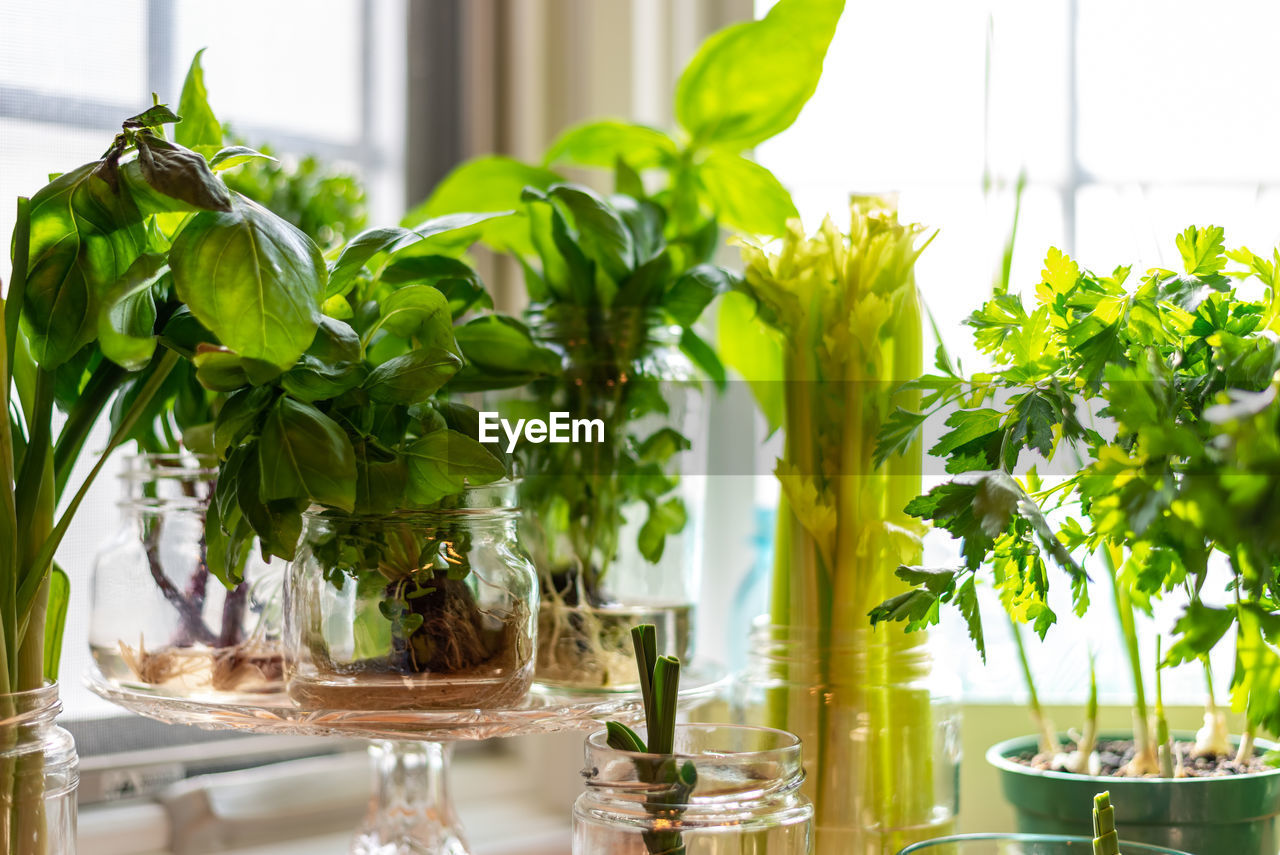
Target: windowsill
x,y
313,807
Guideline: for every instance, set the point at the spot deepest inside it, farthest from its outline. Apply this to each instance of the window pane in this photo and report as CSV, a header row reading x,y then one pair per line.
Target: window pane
x,y
278,65
1177,89
48,46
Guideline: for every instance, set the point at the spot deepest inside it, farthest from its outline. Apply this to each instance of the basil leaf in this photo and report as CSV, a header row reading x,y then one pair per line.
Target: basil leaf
x,y
306,455
181,174
252,279
222,370
198,125
459,284
694,291
664,519
239,417
604,143
374,244
749,81
444,462
602,234
235,155
381,477
421,312
331,365
644,286
745,195
152,117
85,233
504,344
412,377
126,324
487,184
183,333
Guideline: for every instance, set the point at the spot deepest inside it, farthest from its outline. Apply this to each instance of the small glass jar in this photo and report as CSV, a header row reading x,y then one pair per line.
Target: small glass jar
x,y
612,518
882,732
745,796
415,609
39,773
159,619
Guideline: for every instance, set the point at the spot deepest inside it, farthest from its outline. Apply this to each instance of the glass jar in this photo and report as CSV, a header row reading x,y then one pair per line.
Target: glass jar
x,y
612,517
881,732
745,796
39,773
159,619
1024,844
415,609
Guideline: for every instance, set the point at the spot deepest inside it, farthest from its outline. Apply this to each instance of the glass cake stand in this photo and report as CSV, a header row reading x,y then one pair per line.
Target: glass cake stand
x,y
410,810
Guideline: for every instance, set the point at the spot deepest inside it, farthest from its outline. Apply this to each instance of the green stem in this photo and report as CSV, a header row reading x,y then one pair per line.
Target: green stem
x,y
1048,738
1145,759
30,584
103,383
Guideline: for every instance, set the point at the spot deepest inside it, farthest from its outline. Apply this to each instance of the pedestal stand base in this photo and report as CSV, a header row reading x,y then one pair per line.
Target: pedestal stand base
x,y
410,812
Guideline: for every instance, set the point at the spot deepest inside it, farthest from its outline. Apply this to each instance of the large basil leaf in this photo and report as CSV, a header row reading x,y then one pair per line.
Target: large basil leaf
x,y
444,462
252,279
198,126
412,377
745,195
306,455
749,81
603,143
85,233
126,324
487,184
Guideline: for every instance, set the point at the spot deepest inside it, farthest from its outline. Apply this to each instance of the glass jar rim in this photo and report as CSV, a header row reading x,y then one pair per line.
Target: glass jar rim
x,y
1086,842
150,466
495,501
33,705
787,742
724,776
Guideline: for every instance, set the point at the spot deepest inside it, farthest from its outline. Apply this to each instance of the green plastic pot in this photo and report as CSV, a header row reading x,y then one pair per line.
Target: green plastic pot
x,y
1204,816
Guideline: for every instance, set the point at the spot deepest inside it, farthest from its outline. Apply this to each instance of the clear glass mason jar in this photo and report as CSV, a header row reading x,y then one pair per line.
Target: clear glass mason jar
x,y
415,609
881,731
39,773
159,619
745,796
613,517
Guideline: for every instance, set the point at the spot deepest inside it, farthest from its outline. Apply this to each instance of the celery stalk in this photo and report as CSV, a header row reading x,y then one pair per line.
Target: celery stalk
x,y
848,311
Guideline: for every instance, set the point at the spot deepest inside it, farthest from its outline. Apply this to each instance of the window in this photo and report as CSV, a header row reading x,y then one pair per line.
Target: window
x,y
1131,119
323,77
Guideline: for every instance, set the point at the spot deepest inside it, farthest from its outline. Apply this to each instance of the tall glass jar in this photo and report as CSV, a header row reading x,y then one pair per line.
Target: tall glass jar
x,y
39,773
745,796
881,732
415,609
159,619
612,516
